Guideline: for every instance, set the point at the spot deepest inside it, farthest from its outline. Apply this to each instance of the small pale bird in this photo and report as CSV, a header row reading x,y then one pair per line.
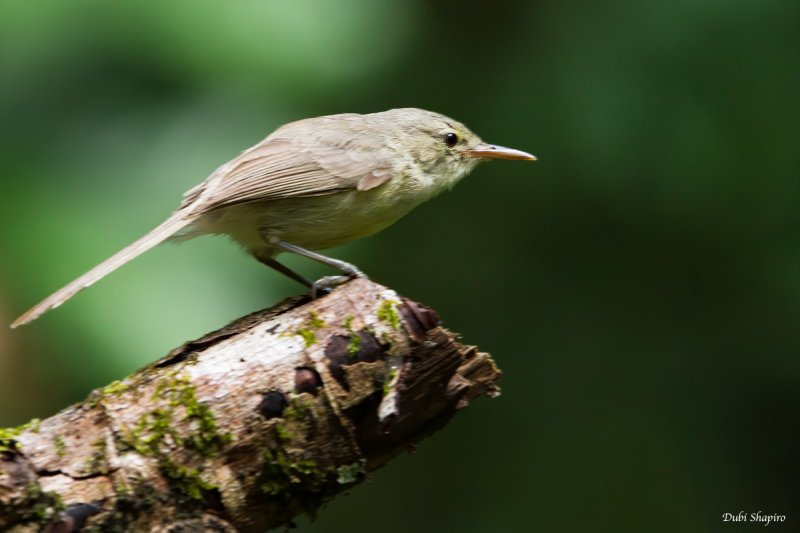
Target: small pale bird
x,y
314,184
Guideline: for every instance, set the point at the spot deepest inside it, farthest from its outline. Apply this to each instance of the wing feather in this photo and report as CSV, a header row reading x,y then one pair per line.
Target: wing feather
x,y
300,159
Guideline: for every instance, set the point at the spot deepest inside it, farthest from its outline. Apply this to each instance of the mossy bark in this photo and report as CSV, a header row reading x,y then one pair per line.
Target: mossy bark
x,y
248,426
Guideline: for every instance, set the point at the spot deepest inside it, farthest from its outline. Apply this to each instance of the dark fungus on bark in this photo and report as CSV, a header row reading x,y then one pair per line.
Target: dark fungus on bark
x,y
418,319
73,518
272,404
358,347
307,380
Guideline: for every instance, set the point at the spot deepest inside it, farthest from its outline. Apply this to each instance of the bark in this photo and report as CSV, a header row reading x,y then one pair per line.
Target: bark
x,y
249,426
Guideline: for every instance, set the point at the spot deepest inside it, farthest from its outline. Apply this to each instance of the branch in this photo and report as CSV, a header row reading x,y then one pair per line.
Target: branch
x,y
248,426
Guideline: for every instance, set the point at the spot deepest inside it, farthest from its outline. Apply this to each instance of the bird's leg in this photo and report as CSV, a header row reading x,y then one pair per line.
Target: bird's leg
x,y
315,286
283,269
351,270
348,268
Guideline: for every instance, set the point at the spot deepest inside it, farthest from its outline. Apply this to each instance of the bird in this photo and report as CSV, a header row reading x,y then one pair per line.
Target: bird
x,y
314,184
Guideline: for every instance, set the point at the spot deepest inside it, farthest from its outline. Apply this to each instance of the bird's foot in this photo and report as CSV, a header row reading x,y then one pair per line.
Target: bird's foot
x,y
325,284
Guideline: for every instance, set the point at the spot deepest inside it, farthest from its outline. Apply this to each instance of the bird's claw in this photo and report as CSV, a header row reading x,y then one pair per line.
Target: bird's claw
x,y
325,284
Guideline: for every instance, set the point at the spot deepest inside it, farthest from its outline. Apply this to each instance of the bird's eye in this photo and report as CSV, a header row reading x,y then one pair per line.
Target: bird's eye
x,y
450,139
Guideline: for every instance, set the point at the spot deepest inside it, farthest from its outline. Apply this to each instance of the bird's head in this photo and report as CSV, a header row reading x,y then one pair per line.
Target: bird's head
x,y
443,149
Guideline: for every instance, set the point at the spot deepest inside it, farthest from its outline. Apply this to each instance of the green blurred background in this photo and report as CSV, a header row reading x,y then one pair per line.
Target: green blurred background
x,y
639,285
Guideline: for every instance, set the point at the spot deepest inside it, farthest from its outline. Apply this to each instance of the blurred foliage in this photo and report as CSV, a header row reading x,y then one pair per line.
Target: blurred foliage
x,y
639,284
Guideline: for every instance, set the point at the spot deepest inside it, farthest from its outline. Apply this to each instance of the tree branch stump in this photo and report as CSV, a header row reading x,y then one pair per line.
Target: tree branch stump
x,y
248,426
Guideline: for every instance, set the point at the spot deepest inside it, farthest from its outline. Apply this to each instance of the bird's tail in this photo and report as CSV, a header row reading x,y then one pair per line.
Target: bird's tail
x,y
175,222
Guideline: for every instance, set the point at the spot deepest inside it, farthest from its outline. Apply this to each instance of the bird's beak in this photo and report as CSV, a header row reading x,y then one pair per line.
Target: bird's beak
x,y
491,151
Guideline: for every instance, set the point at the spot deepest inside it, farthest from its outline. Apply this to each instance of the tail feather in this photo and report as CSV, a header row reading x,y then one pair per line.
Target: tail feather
x,y
174,223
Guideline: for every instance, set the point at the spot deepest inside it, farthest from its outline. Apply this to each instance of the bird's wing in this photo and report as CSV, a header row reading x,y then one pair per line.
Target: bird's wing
x,y
295,161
